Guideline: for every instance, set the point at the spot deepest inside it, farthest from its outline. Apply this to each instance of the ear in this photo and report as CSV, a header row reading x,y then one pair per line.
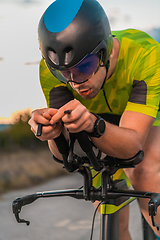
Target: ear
x,y
112,53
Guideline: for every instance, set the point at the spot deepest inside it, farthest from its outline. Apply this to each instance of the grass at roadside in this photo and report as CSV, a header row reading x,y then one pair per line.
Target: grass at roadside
x,y
24,168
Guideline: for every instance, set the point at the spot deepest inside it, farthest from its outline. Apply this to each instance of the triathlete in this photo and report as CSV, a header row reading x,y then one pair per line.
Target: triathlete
x,y
90,70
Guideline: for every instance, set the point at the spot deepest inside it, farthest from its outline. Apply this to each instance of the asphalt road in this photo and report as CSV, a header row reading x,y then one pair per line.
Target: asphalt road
x,y
56,218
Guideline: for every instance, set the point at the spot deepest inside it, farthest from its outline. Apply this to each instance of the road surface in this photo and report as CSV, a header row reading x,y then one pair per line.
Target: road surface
x,y
56,218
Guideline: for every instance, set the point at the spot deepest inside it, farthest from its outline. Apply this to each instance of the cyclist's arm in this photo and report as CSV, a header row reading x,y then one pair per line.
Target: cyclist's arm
x,y
54,150
127,139
122,142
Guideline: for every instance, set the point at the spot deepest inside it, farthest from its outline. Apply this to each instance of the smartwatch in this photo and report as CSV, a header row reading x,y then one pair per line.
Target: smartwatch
x,y
99,127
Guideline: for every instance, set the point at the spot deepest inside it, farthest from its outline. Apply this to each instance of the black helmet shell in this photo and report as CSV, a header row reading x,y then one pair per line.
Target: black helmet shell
x,y
65,40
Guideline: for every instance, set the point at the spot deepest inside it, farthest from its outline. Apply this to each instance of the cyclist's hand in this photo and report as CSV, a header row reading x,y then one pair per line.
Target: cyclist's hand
x,y
78,120
43,116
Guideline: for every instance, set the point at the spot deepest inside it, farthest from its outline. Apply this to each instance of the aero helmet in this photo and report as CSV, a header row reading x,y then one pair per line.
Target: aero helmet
x,y
69,30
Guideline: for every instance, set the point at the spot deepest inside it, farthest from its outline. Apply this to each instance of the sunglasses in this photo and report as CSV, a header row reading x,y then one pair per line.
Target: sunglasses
x,y
81,72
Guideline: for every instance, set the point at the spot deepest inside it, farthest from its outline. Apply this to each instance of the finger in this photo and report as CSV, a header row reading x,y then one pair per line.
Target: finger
x,y
68,117
61,112
47,116
41,119
50,132
57,130
29,122
47,129
52,111
58,116
33,125
37,116
33,130
75,114
75,126
84,122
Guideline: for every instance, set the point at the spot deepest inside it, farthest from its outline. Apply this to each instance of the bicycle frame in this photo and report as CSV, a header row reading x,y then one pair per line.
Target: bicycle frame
x,y
114,195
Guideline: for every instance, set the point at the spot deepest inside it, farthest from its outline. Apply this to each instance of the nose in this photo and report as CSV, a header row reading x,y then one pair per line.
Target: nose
x,y
77,76
74,85
74,73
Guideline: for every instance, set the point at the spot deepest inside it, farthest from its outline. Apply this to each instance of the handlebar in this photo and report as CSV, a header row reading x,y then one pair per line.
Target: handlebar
x,y
89,192
94,194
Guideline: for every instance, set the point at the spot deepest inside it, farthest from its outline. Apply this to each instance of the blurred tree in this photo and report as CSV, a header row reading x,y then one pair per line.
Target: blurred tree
x,y
19,134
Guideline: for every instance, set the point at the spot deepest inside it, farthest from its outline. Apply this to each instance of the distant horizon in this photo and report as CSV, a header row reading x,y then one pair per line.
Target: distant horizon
x,y
4,126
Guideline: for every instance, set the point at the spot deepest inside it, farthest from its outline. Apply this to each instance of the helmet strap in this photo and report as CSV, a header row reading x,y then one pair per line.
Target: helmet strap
x,y
107,67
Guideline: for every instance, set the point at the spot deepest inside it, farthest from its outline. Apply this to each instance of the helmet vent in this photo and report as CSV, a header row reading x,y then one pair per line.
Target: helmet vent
x,y
53,56
68,55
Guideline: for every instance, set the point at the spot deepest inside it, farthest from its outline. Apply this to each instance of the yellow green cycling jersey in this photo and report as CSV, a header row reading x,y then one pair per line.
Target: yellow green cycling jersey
x,y
134,85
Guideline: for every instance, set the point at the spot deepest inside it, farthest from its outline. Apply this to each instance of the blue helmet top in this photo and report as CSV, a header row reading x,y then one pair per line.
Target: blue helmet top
x,y
62,13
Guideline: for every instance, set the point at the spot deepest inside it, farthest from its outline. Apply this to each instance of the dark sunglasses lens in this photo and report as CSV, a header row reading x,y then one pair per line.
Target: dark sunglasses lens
x,y
85,69
79,73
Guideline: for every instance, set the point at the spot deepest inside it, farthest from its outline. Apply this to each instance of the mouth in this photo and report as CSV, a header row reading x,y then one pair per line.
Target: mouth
x,y
84,92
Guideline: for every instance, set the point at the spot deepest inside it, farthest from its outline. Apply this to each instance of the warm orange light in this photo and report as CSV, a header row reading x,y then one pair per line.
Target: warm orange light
x,y
16,115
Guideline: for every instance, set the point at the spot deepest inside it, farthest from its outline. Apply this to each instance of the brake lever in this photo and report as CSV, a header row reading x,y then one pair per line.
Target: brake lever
x,y
152,207
18,203
16,207
154,223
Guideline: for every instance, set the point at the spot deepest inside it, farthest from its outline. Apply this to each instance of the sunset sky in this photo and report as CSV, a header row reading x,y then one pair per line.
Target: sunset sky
x,y
19,53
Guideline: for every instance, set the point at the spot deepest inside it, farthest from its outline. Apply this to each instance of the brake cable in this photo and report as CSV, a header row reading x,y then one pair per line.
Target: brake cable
x,y
93,220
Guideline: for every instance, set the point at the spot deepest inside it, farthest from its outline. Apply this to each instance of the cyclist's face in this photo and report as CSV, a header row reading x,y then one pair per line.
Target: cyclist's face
x,y
91,88
79,73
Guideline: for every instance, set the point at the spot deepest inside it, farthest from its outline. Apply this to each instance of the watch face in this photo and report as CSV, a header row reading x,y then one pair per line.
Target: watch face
x,y
101,126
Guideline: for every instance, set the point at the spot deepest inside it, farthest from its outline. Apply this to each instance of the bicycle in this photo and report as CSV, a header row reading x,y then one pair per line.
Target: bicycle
x,y
112,195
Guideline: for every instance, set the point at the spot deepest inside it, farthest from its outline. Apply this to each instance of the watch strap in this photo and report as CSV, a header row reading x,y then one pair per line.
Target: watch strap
x,y
96,133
